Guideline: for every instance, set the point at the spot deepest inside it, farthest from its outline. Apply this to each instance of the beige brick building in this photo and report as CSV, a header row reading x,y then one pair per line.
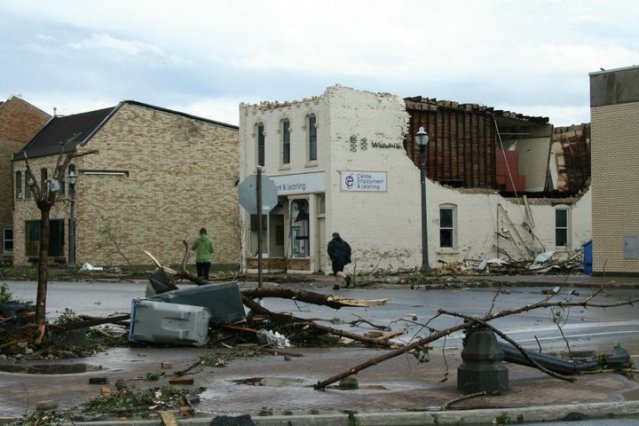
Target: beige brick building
x,y
158,177
19,122
614,101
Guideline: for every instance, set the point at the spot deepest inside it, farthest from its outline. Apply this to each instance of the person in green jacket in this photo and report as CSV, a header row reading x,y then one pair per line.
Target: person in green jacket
x,y
203,247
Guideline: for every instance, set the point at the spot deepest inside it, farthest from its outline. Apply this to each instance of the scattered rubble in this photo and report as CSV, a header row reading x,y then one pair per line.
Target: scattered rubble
x,y
547,262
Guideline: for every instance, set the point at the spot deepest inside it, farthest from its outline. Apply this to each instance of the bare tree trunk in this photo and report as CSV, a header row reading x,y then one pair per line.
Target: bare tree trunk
x,y
41,297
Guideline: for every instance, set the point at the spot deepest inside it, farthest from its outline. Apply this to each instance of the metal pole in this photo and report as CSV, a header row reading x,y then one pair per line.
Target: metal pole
x,y
425,269
72,264
258,191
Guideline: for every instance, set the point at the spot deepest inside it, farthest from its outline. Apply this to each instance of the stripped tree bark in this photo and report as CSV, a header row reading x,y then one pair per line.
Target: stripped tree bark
x,y
585,303
45,196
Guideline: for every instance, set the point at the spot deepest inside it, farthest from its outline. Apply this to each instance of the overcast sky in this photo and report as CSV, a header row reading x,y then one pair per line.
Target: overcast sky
x,y
204,57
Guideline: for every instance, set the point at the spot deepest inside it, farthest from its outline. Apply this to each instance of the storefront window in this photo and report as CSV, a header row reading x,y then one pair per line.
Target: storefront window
x,y
299,229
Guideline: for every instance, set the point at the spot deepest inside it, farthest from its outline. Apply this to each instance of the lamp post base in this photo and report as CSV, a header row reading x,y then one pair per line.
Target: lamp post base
x,y
425,270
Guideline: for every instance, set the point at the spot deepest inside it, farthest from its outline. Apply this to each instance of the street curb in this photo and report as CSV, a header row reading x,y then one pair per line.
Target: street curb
x,y
519,415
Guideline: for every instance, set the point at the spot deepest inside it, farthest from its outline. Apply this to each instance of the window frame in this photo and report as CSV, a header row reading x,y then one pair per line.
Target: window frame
x,y
19,190
285,130
565,228
28,193
452,229
260,136
5,231
311,138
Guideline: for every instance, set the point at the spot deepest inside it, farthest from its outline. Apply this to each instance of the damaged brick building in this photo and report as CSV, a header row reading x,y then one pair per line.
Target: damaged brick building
x,y
531,178
500,184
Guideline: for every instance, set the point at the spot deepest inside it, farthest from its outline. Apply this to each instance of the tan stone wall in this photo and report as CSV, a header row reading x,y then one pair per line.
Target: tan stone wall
x,y
26,209
615,179
19,122
180,175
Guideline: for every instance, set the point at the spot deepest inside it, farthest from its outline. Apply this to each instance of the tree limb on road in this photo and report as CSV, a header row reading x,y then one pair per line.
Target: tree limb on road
x,y
332,301
321,385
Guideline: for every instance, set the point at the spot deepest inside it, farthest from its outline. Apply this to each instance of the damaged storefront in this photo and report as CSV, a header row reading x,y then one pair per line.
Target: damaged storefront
x,y
499,185
290,231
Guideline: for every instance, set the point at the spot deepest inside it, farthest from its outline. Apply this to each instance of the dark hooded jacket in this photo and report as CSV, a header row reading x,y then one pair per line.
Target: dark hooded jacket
x,y
339,251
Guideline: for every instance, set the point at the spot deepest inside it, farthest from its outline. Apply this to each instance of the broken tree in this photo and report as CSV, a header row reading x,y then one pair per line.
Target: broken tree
x,y
45,194
468,323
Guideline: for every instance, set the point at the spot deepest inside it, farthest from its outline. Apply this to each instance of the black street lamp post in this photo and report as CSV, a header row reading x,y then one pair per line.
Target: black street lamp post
x,y
72,181
421,139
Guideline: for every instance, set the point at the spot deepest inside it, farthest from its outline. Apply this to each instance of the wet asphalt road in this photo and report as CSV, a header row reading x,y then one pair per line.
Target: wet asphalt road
x,y
586,329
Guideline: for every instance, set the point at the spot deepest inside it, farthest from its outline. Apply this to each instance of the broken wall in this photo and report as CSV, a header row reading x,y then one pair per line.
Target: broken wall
x,y
489,225
366,135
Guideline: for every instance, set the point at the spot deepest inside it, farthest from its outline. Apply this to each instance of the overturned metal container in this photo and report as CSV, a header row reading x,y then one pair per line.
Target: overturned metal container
x,y
155,321
223,300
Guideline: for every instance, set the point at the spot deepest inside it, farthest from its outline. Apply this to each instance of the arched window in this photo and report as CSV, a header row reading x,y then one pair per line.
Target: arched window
x,y
312,137
18,183
260,144
285,128
27,185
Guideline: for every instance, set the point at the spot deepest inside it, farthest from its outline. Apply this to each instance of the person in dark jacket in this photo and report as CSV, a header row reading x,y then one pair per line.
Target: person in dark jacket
x,y
339,251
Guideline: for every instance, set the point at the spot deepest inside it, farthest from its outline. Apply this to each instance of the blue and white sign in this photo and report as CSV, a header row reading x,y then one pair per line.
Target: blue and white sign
x,y
363,181
303,183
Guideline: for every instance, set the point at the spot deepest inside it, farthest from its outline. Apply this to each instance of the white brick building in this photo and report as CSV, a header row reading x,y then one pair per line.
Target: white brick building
x,y
340,164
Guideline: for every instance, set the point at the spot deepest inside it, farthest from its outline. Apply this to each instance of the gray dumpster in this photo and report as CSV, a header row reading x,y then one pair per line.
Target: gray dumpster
x,y
161,322
223,300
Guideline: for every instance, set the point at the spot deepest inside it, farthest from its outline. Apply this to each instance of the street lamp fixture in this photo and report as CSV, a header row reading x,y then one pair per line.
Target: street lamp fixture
x,y
72,179
421,139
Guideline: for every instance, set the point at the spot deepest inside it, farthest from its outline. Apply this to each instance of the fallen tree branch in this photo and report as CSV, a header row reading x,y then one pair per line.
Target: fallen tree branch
x,y
360,320
335,302
259,309
439,334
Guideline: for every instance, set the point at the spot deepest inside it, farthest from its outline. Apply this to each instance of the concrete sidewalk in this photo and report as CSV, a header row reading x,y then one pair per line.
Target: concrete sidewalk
x,y
399,391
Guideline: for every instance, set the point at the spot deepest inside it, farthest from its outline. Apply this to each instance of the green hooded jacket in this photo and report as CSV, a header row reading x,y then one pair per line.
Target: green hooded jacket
x,y
203,247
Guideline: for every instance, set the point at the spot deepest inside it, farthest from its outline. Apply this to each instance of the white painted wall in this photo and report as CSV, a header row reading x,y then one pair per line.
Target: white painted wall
x,y
384,228
477,223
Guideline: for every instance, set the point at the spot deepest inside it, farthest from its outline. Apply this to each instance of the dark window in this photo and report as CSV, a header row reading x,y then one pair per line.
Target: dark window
x,y
32,235
312,139
561,227
446,227
43,178
286,142
260,145
18,184
8,240
56,238
27,185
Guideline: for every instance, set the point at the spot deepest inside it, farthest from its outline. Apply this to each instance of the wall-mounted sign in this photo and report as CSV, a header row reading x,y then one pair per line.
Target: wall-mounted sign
x,y
363,181
303,183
